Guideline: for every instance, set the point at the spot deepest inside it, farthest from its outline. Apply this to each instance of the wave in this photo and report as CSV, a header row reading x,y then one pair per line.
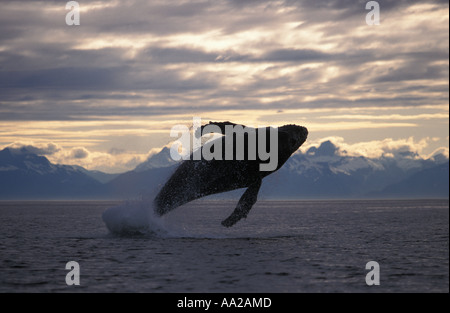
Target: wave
x,y
137,218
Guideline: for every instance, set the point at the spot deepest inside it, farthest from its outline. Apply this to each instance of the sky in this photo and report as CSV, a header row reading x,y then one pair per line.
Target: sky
x,y
105,94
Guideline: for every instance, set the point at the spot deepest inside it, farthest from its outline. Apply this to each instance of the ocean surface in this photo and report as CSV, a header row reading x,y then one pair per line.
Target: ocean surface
x,y
283,246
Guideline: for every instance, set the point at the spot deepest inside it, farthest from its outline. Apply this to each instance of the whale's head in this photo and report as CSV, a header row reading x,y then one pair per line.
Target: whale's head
x,y
296,136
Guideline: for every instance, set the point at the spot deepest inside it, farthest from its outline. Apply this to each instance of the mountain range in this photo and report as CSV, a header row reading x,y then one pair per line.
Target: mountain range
x,y
319,173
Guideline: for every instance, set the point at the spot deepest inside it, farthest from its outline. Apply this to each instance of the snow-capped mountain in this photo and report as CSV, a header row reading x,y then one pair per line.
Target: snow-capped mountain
x,y
25,175
158,160
322,172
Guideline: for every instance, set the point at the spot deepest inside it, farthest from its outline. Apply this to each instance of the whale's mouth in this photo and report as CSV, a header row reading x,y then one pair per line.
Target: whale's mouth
x,y
303,133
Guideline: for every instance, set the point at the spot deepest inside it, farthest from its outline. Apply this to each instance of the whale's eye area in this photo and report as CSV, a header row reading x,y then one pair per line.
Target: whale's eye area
x,y
292,142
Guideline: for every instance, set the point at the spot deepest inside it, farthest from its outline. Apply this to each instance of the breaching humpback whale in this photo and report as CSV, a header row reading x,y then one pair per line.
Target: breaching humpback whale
x,y
196,178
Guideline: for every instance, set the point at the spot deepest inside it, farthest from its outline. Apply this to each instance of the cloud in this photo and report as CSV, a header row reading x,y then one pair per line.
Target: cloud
x,y
39,149
400,148
95,160
145,50
164,61
116,151
79,153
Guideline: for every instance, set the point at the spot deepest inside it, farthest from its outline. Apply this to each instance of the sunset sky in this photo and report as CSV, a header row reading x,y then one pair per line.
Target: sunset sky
x,y
105,94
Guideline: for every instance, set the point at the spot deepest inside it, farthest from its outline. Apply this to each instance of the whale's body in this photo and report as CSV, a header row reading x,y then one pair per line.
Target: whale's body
x,y
194,179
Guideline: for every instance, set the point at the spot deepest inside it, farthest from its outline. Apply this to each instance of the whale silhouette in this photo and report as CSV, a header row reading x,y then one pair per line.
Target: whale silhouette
x,y
196,178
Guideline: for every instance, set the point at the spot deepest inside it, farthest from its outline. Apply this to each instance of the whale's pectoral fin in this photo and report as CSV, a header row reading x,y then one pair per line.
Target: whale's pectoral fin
x,y
244,205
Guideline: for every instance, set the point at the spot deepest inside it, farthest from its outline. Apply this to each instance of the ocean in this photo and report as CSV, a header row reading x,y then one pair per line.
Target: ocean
x,y
282,247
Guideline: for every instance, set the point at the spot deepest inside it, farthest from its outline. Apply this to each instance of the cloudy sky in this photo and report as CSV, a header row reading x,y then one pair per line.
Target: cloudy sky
x,y
106,93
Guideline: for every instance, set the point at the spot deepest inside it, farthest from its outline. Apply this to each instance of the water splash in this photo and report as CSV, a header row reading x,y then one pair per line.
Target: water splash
x,y
135,217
